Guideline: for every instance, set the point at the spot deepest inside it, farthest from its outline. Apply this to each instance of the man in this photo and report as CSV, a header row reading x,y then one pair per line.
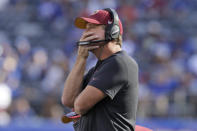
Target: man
x,y
106,97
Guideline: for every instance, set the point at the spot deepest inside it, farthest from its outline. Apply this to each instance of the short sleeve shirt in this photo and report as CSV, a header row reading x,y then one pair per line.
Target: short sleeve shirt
x,y
117,77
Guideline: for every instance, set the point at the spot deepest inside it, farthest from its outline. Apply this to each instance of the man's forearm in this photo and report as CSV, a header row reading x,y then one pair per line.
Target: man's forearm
x,y
73,83
74,80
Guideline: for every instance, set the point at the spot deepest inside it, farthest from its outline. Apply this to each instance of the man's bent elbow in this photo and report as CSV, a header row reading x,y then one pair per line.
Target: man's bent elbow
x,y
67,102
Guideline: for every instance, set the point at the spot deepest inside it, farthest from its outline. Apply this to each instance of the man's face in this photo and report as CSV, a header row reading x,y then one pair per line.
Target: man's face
x,y
97,30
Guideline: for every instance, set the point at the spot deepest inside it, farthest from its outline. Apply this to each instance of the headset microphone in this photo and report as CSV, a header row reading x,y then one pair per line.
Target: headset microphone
x,y
81,43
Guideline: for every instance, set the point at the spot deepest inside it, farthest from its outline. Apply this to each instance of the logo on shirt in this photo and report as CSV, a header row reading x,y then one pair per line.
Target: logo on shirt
x,y
93,78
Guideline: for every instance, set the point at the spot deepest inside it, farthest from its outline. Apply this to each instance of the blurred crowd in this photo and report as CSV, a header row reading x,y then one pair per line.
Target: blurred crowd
x,y
38,49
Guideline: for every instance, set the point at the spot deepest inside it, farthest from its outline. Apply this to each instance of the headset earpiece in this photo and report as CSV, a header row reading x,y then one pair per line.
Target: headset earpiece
x,y
112,30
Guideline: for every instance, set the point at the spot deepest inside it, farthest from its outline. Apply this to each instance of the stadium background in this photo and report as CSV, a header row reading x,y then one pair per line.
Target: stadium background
x,y
37,50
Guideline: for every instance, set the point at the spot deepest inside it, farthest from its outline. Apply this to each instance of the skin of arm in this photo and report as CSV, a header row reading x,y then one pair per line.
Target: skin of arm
x,y
87,99
73,83
72,86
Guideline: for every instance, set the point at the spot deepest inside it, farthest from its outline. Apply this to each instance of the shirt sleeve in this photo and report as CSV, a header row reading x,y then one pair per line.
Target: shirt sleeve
x,y
109,78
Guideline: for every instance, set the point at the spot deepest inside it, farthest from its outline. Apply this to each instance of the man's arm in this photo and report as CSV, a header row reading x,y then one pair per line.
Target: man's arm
x,y
75,77
73,83
87,99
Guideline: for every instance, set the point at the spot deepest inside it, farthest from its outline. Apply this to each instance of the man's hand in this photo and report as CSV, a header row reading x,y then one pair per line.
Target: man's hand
x,y
83,50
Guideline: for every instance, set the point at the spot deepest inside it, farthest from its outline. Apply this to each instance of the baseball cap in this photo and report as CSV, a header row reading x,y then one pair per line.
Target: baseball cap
x,y
98,17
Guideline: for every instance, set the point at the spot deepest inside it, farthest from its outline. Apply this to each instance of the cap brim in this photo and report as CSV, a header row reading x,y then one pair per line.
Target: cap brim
x,y
81,22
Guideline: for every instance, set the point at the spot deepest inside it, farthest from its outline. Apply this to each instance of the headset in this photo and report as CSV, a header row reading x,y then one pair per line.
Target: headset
x,y
112,29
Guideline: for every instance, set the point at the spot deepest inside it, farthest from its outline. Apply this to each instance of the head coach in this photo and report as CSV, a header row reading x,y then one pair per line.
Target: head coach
x,y
106,97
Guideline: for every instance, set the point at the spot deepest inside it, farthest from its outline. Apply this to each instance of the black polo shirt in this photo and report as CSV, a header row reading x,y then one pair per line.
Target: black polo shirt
x,y
117,77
